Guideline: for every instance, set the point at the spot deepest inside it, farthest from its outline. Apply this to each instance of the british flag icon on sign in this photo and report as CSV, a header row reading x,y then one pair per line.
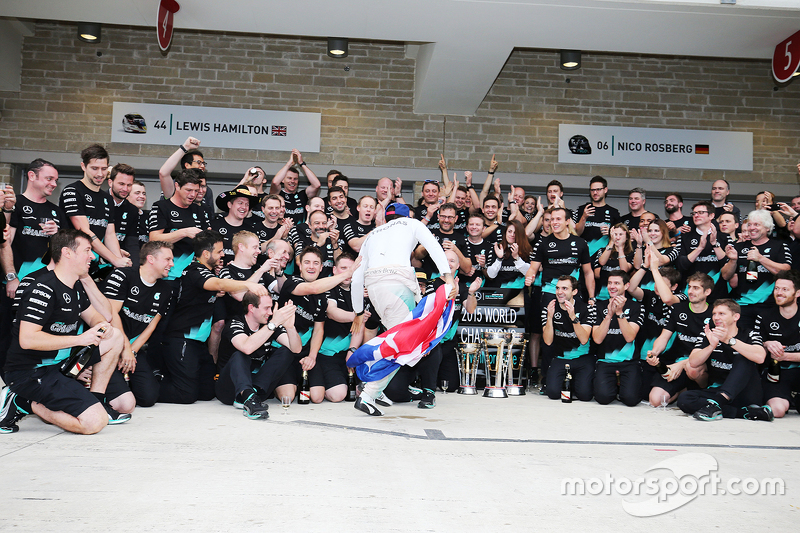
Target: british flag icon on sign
x,y
279,131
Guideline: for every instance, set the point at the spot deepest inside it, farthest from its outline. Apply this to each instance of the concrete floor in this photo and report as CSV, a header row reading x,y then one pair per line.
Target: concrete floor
x,y
470,464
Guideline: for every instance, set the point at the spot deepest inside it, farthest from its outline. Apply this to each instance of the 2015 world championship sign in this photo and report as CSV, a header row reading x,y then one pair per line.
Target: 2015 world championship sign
x,y
219,127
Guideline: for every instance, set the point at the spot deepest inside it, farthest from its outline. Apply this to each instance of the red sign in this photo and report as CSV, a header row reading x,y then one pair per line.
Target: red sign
x,y
166,8
786,58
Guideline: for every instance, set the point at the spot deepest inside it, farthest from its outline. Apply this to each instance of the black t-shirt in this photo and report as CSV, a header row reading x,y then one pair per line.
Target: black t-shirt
x,y
631,221
421,211
233,306
126,224
687,329
759,290
647,280
720,362
79,200
337,334
295,205
470,250
327,250
310,308
237,325
352,204
428,264
614,348
592,229
194,311
565,340
168,217
601,283
706,262
560,257
656,317
30,243
142,230
774,327
48,303
353,229
683,221
140,302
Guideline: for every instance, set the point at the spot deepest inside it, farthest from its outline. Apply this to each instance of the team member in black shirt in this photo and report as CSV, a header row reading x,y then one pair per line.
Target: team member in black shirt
x,y
139,299
324,236
476,251
257,348
126,215
237,205
703,249
617,323
567,327
356,229
286,183
188,367
594,219
730,355
92,210
780,330
307,292
52,311
274,226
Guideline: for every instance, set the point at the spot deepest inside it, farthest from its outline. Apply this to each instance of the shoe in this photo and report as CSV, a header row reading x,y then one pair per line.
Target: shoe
x,y
711,411
253,409
115,417
759,412
365,405
543,390
428,400
415,392
9,413
359,389
384,400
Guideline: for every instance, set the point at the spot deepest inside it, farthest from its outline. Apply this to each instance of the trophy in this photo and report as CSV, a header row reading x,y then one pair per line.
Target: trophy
x,y
469,354
495,366
513,388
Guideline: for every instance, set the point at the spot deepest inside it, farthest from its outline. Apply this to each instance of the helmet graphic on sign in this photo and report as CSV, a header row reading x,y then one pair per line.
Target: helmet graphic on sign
x,y
579,145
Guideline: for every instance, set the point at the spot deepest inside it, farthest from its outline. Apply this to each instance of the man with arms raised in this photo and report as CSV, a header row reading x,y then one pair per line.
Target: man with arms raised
x,y
286,183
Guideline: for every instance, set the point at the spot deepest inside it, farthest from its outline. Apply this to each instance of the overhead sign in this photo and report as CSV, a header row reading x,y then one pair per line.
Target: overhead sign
x,y
786,58
655,147
164,25
220,127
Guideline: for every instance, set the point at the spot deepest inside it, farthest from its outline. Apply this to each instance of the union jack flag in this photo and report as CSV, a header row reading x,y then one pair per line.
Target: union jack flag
x,y
279,131
408,342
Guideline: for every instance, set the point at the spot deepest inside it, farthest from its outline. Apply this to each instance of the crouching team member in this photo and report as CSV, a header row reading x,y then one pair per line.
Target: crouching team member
x,y
52,310
188,367
251,363
337,342
680,335
567,327
307,292
781,335
139,299
614,335
730,355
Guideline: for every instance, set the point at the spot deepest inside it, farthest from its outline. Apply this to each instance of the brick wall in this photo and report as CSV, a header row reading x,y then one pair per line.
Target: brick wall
x,y
367,117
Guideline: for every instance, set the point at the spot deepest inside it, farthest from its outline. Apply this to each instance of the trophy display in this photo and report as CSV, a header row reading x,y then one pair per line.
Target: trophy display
x,y
514,370
495,366
469,355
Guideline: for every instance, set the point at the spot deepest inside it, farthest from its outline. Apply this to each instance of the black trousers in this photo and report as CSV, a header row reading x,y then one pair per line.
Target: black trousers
x,y
448,368
630,382
188,372
582,370
237,375
6,323
742,386
143,384
428,370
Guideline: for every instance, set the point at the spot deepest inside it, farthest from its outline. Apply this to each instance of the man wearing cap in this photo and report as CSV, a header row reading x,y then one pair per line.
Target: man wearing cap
x,y
238,204
390,280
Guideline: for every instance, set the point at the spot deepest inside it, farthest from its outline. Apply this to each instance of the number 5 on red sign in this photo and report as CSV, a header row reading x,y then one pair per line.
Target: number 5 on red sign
x,y
786,58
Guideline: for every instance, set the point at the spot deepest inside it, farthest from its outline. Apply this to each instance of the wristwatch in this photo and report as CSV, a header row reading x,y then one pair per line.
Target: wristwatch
x,y
732,342
271,326
11,276
576,321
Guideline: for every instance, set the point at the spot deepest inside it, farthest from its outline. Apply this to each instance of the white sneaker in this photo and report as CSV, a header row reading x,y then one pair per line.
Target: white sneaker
x,y
384,400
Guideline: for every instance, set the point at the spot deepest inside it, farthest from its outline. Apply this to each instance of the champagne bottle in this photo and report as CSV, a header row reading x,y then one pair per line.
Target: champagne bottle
x,y
566,388
774,371
78,358
752,271
305,393
351,388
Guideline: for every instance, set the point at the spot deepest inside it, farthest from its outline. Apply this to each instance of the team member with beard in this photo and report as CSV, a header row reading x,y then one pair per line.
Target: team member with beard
x,y
274,226
286,183
594,219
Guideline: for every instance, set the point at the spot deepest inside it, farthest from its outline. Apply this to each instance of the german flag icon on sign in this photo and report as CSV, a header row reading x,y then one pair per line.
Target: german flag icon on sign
x,y
701,149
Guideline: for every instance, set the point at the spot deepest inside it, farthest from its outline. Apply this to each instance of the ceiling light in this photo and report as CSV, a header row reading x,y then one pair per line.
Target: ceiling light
x,y
570,59
337,47
89,32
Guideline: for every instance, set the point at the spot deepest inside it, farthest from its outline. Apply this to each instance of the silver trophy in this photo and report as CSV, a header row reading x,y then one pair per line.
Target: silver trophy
x,y
469,355
495,366
514,386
